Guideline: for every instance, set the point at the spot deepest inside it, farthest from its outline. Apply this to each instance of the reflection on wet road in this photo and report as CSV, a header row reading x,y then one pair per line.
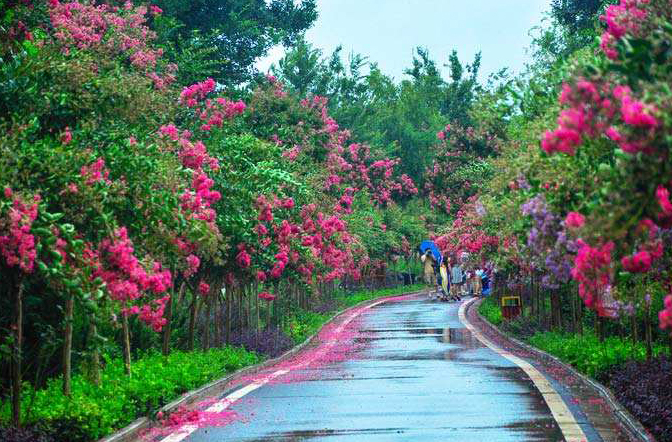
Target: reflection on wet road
x,y
416,374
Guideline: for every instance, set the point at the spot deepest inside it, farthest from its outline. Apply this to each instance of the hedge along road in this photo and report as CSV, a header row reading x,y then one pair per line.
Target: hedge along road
x,y
403,368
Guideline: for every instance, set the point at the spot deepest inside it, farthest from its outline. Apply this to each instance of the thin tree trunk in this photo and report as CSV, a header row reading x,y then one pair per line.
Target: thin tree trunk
x,y
17,356
241,309
574,322
95,355
599,328
206,331
67,346
165,347
126,345
192,322
228,295
649,343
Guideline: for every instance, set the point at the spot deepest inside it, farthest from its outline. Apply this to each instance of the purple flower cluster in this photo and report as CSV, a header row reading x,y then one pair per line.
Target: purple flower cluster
x,y
549,243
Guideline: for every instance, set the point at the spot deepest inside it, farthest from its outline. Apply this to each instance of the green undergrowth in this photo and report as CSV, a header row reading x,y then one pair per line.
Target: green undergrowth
x,y
584,352
491,311
587,354
304,324
94,412
366,295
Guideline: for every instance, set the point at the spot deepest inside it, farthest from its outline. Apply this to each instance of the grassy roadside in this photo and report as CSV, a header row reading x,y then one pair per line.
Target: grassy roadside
x,y
641,386
94,412
584,352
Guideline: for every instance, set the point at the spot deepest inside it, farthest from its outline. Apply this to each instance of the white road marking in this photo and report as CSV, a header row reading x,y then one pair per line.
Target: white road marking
x,y
571,430
186,430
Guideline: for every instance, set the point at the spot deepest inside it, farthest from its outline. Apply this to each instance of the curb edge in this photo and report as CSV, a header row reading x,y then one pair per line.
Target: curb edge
x,y
630,423
130,432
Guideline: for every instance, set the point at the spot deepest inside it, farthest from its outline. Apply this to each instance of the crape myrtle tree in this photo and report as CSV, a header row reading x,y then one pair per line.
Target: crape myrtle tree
x,y
402,117
588,209
129,204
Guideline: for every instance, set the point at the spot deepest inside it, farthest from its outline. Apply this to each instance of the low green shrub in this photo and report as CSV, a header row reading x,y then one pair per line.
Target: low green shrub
x,y
94,412
587,354
303,324
366,295
491,311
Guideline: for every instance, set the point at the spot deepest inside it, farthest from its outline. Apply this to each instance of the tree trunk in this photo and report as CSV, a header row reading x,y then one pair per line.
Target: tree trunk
x,y
648,331
574,321
228,295
598,328
241,309
206,330
16,355
126,336
165,347
192,322
67,346
95,355
579,314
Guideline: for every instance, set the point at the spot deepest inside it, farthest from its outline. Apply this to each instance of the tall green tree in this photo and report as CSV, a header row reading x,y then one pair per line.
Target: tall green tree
x,y
239,31
460,92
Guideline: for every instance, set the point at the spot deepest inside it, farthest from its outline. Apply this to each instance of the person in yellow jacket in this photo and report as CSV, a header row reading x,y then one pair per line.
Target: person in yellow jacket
x,y
445,281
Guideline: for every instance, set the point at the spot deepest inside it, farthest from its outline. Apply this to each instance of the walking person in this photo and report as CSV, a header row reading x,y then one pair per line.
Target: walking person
x,y
429,272
456,281
478,286
445,280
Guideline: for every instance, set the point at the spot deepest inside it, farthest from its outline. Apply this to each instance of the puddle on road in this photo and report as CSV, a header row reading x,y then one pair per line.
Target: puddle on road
x,y
300,435
533,430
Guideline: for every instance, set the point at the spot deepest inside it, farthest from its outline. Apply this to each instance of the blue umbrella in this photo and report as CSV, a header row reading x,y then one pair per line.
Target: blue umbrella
x,y
429,245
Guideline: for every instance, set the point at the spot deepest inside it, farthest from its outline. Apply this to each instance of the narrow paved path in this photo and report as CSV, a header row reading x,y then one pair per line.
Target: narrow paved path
x,y
411,371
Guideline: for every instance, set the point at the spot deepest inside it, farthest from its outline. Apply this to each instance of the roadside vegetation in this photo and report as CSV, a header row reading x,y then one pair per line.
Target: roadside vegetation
x,y
158,196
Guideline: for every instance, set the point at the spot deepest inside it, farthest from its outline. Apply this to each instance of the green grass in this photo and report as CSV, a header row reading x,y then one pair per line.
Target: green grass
x,y
491,311
366,295
587,354
94,412
584,352
304,324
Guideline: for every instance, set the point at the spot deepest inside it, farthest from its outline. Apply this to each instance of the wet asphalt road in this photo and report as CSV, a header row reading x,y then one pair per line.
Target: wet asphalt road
x,y
416,374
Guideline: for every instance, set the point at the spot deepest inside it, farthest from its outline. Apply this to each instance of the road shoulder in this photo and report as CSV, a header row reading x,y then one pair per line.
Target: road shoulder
x,y
585,397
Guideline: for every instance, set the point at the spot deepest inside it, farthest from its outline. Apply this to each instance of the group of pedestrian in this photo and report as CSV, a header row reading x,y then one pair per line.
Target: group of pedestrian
x,y
448,281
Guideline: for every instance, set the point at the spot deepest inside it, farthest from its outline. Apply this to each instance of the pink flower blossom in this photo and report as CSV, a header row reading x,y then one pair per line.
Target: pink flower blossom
x,y
243,259
665,316
640,262
193,263
575,220
266,296
203,288
18,246
66,137
95,172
